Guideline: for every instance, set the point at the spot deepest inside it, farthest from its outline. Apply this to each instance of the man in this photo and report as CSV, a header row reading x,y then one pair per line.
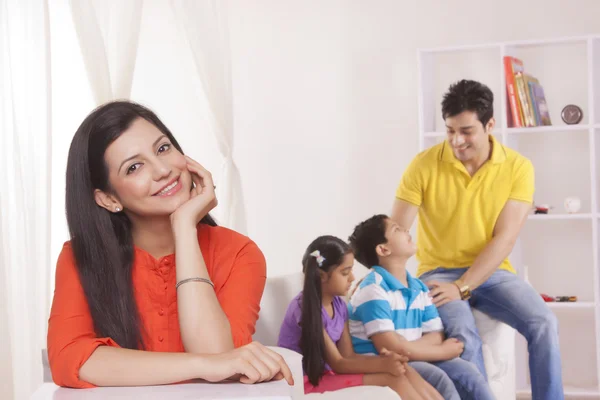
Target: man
x,y
473,195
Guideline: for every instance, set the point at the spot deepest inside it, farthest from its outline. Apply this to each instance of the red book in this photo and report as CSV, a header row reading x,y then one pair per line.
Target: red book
x,y
513,65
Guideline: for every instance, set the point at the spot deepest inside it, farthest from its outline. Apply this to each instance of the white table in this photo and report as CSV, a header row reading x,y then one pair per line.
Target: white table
x,y
279,390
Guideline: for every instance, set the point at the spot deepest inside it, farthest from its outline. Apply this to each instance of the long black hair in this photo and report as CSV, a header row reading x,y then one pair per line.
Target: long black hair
x,y
102,242
312,343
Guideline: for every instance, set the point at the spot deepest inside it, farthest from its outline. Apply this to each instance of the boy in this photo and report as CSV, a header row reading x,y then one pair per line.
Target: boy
x,y
391,309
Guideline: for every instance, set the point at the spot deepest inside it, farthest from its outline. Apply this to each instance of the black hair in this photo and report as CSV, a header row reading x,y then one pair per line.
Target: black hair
x,y
102,242
333,250
366,237
467,95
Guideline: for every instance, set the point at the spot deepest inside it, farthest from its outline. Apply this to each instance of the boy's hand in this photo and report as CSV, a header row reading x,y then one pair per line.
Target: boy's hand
x,y
392,363
443,292
386,352
453,347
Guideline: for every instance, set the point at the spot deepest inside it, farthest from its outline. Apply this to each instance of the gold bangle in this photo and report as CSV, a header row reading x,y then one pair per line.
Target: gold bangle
x,y
194,280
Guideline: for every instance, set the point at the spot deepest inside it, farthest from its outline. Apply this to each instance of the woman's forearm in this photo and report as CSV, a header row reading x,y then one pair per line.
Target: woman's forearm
x,y
203,324
114,366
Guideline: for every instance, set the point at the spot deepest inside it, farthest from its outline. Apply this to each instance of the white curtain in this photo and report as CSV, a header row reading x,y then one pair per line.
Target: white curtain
x,y
108,33
25,195
204,25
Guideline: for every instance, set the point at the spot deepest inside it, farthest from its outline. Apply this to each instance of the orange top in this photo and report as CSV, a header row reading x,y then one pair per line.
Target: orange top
x,y
235,265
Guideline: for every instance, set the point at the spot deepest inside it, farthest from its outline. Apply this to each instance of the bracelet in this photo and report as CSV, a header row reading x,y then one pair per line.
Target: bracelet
x,y
194,280
463,288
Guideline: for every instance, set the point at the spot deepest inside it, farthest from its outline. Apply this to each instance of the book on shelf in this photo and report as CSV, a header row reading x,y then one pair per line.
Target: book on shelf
x,y
525,96
524,100
542,106
531,82
512,65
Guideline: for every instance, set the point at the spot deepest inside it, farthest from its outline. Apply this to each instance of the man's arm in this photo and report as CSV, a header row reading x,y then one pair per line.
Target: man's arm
x,y
404,213
509,224
507,229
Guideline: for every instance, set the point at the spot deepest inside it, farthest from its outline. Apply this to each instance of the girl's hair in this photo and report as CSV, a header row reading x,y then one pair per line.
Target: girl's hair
x,y
332,250
101,240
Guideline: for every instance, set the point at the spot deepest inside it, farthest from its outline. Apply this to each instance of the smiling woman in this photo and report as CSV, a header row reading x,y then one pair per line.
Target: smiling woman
x,y
149,282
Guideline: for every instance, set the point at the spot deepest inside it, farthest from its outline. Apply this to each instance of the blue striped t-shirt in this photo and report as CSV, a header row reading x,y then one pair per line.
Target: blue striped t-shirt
x,y
382,304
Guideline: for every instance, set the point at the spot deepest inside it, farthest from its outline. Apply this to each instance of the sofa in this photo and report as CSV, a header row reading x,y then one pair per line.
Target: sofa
x,y
498,344
498,347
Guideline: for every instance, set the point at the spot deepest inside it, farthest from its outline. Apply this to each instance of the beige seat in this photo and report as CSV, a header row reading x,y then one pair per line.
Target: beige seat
x,y
498,341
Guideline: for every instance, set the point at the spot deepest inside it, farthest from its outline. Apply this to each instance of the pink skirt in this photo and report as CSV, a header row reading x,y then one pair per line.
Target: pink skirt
x,y
330,381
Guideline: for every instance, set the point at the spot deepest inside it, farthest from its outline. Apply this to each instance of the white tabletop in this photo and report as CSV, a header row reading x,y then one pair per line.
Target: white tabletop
x,y
279,390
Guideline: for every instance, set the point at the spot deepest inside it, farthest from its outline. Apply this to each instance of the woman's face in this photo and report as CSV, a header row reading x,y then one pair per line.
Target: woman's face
x,y
147,174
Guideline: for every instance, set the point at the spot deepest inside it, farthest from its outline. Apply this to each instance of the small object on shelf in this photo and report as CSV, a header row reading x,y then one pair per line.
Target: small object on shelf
x,y
572,204
542,209
566,299
558,299
572,114
547,299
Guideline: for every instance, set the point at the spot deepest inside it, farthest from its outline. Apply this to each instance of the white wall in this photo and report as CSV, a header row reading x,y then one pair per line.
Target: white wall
x,y
326,101
324,95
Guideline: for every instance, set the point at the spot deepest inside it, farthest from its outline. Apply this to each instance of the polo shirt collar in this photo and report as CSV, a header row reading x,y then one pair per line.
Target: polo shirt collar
x,y
393,283
498,152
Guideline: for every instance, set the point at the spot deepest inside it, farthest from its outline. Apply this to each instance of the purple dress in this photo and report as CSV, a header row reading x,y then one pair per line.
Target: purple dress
x,y
290,332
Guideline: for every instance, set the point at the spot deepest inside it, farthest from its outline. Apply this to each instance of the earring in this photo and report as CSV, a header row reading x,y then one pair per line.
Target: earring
x,y
117,209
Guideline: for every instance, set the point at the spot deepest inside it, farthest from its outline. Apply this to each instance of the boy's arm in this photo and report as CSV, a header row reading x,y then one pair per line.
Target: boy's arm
x,y
346,349
415,350
431,323
360,365
432,338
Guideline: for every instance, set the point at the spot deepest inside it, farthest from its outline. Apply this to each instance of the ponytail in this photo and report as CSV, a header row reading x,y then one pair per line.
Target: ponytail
x,y
312,342
331,252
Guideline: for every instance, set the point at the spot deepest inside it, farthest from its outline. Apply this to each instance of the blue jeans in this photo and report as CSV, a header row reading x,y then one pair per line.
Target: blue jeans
x,y
455,379
509,299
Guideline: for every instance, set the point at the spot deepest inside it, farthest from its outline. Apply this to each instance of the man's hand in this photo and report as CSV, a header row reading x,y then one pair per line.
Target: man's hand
x,y
443,292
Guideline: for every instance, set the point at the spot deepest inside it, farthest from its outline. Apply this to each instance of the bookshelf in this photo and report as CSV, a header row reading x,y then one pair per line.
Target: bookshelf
x,y
557,252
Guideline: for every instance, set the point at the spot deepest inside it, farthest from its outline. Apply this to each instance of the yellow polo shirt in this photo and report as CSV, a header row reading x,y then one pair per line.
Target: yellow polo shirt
x,y
457,212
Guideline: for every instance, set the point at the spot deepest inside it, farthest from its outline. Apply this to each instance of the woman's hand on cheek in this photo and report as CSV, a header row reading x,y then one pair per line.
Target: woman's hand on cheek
x,y
202,198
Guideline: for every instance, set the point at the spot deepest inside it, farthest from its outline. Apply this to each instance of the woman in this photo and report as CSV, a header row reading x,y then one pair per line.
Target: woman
x,y
150,290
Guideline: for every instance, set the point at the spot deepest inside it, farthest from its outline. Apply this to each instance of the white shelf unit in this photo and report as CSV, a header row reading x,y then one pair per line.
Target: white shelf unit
x,y
560,250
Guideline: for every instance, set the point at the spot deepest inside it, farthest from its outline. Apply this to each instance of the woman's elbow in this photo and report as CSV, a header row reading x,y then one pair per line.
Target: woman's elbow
x,y
64,372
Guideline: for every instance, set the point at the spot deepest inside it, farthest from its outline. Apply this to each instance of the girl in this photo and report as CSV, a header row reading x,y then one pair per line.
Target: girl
x,y
316,326
150,290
